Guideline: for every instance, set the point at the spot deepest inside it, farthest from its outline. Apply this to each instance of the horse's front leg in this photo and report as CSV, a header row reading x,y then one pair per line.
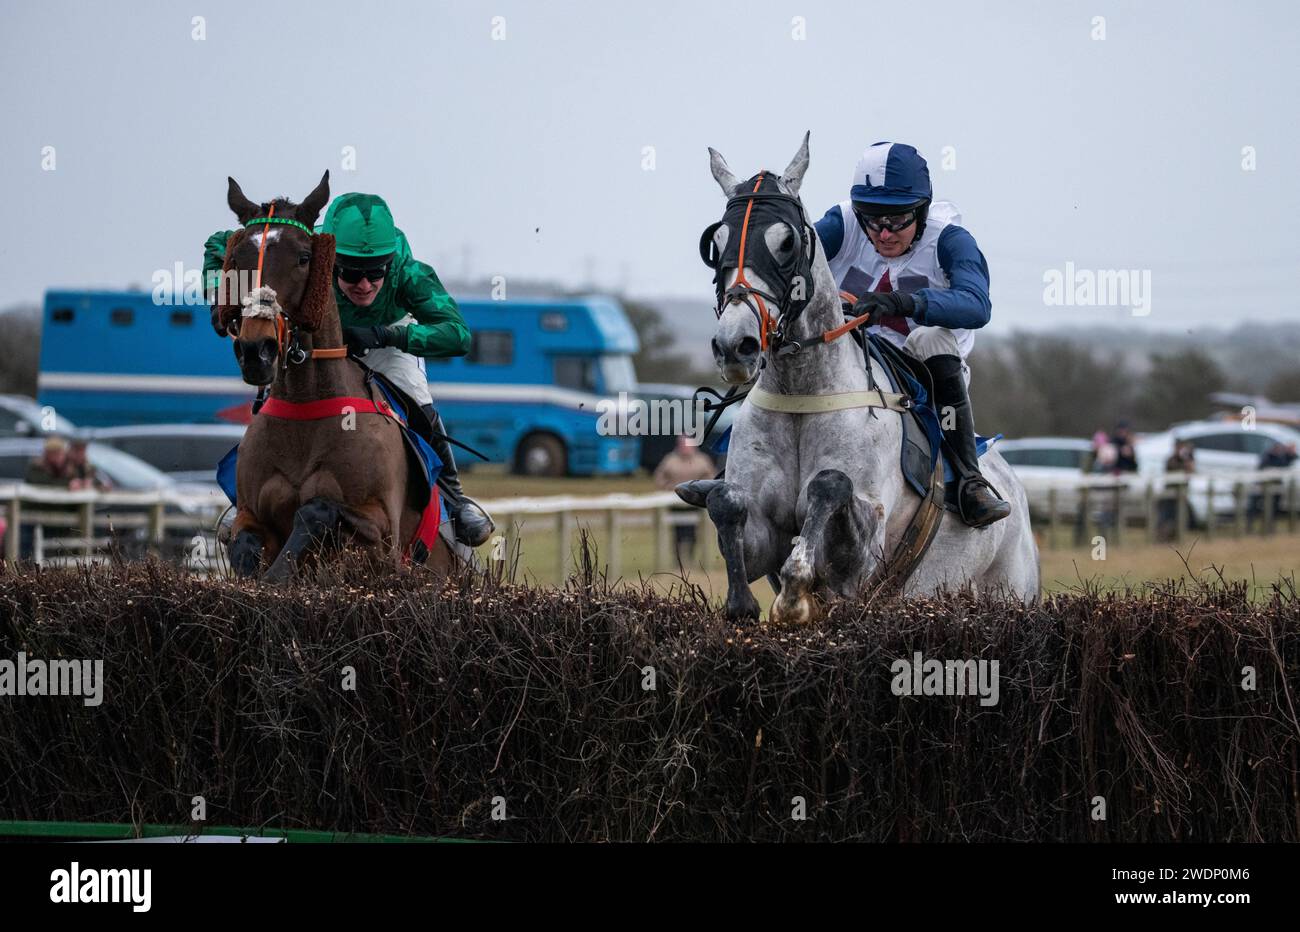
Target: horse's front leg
x,y
250,541
747,540
833,551
312,523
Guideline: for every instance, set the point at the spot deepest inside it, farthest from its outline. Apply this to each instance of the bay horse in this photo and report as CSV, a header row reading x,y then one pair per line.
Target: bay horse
x,y
324,464
813,496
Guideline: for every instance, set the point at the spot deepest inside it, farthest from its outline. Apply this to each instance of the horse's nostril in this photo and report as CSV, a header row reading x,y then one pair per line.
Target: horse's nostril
x,y
717,350
747,347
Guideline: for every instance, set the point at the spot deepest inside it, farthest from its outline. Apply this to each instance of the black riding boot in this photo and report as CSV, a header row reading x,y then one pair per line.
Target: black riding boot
x,y
979,502
471,523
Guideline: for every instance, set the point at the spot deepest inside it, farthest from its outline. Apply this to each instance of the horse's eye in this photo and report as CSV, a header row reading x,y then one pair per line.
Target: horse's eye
x,y
304,258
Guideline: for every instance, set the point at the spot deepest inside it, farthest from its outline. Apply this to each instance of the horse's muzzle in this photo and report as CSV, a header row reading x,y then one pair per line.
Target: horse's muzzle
x,y
257,359
737,363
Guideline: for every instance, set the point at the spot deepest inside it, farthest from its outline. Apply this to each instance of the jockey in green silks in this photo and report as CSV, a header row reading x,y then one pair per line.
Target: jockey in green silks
x,y
395,312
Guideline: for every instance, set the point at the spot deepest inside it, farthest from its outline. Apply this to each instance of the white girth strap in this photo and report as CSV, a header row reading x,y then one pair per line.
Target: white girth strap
x,y
821,404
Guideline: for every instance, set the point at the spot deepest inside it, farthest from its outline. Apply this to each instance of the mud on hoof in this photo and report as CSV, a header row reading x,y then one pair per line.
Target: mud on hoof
x,y
795,604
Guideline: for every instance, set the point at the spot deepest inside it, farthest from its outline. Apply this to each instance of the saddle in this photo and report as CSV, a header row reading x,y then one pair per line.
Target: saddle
x,y
922,433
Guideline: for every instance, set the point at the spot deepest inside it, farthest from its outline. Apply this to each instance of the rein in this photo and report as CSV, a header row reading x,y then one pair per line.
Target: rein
x,y
289,347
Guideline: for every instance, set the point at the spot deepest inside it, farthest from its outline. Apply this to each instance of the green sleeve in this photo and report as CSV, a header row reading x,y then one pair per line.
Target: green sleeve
x,y
439,329
214,257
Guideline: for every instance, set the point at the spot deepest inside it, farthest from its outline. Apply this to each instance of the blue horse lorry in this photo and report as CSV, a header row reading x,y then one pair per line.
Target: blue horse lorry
x,y
526,395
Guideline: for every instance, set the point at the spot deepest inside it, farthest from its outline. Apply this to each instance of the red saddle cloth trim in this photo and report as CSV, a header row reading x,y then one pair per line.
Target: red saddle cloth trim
x,y
427,530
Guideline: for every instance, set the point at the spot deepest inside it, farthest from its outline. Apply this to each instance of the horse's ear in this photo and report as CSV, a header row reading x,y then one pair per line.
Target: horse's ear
x,y
794,172
244,209
319,293
721,173
315,202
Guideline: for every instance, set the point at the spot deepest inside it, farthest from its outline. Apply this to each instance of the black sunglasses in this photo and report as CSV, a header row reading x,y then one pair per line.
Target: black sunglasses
x,y
352,276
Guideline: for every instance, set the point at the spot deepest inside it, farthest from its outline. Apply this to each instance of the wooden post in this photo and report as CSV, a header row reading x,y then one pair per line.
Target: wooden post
x,y
1118,534
1149,507
13,532
1051,518
157,527
1290,505
1082,537
1180,513
1209,509
661,538
1266,490
562,532
1238,509
705,542
87,530
613,546
511,539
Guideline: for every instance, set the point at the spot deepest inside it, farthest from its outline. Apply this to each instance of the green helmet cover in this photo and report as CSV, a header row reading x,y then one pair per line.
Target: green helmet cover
x,y
362,225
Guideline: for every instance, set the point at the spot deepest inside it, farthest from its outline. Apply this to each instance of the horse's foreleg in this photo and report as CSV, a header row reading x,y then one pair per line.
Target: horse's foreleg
x,y
312,522
247,545
830,551
729,508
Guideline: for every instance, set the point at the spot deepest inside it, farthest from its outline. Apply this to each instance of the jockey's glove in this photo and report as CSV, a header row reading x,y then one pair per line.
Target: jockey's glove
x,y
885,304
363,339
216,323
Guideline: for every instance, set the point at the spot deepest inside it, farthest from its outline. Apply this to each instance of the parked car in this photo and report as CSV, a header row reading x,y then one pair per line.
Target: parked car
x,y
188,453
1045,463
1222,446
21,416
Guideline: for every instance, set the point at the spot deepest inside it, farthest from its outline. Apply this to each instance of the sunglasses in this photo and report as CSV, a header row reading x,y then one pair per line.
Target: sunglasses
x,y
352,276
894,223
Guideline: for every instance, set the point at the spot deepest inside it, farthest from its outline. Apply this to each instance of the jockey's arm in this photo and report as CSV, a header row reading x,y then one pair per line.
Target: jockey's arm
x,y
439,329
214,256
965,303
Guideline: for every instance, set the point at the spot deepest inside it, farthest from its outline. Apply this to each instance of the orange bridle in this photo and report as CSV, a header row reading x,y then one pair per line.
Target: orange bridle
x,y
765,320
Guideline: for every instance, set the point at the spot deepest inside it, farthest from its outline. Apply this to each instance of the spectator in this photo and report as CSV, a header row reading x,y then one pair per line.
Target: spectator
x,y
686,462
82,475
1125,452
1279,456
1103,453
52,467
1183,460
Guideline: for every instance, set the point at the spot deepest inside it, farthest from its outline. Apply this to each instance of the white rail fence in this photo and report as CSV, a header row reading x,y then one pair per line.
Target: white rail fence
x,y
55,526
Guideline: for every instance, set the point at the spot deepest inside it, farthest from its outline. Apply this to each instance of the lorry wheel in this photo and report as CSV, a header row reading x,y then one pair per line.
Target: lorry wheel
x,y
542,455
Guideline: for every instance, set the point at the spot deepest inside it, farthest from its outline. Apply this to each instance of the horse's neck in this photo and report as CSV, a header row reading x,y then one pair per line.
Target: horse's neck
x,y
818,368
319,378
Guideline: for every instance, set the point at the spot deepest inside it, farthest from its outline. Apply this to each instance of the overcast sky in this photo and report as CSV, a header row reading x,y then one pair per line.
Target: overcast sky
x,y
525,156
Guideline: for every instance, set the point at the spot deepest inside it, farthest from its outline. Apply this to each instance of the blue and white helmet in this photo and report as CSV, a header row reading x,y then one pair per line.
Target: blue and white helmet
x,y
891,174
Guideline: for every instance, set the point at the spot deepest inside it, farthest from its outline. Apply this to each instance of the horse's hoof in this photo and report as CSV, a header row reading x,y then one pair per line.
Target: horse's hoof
x,y
743,608
795,610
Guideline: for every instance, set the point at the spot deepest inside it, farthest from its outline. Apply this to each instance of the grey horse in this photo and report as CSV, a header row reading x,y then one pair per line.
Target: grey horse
x,y
816,502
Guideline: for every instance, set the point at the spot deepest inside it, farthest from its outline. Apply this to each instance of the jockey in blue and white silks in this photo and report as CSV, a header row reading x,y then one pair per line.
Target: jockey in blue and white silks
x,y
909,263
